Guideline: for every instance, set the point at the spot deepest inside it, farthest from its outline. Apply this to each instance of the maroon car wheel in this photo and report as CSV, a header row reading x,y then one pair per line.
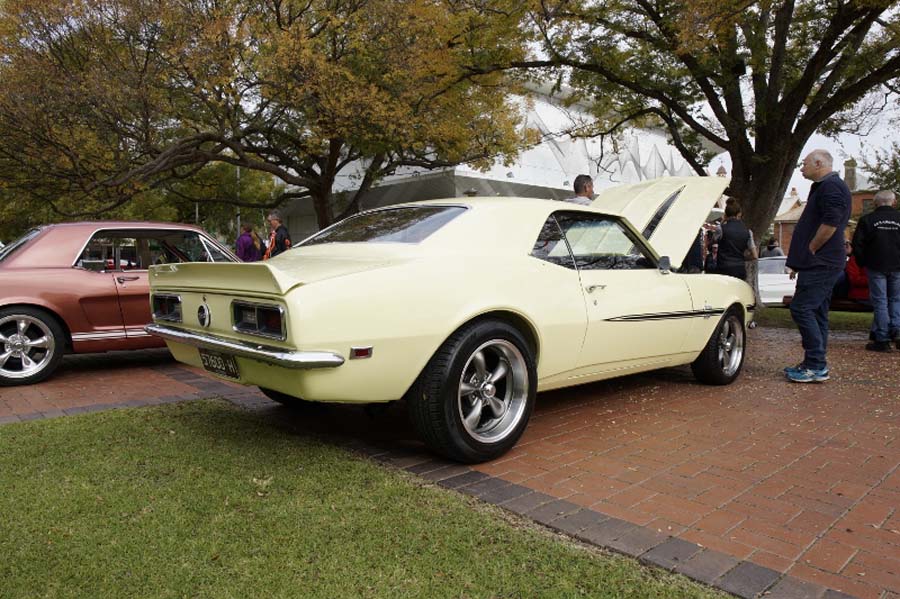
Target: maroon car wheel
x,y
31,345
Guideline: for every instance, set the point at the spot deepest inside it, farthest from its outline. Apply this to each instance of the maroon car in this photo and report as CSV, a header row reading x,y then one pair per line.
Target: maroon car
x,y
82,287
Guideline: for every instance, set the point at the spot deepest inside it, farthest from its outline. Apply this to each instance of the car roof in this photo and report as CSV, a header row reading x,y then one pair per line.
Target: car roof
x,y
58,245
667,211
494,225
122,224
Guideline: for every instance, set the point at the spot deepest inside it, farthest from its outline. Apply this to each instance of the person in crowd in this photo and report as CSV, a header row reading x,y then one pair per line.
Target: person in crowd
x,y
710,265
735,241
249,246
693,260
853,282
584,191
876,246
816,258
771,249
279,238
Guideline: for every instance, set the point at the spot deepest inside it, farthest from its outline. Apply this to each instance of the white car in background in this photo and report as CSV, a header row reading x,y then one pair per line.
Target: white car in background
x,y
774,280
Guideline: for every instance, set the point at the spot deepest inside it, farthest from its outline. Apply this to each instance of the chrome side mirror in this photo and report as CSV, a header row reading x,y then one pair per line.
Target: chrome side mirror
x,y
665,265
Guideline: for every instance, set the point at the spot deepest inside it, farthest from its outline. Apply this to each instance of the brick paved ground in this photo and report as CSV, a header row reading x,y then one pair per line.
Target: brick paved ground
x,y
759,486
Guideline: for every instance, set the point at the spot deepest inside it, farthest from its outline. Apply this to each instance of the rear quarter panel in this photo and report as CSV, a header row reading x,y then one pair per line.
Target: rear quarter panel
x,y
407,312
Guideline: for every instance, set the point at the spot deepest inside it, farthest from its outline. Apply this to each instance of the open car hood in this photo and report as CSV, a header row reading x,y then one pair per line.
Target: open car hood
x,y
668,211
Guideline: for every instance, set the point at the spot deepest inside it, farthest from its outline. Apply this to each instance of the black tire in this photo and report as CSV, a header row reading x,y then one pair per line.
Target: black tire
x,y
296,404
283,398
473,409
722,359
29,364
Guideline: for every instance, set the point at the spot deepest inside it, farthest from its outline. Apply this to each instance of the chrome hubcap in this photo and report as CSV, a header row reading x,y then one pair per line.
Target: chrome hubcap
x,y
28,346
493,391
731,345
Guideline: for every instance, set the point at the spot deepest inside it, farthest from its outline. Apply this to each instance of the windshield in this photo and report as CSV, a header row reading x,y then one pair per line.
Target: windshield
x,y
772,267
12,246
408,224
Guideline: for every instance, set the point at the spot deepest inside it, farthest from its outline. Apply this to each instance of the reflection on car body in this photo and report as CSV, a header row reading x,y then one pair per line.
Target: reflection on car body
x,y
467,308
82,287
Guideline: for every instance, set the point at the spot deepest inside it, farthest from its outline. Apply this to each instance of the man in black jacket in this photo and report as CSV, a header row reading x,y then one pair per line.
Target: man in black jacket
x,y
817,257
279,238
876,245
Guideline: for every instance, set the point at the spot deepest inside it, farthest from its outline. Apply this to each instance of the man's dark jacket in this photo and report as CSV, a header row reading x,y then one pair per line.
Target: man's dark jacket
x,y
281,241
828,204
876,243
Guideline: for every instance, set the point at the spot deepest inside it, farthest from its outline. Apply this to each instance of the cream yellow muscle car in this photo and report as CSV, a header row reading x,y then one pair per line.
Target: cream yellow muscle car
x,y
466,308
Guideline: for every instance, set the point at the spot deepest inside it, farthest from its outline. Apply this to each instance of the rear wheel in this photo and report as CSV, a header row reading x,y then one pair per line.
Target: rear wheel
x,y
473,400
283,398
31,345
721,360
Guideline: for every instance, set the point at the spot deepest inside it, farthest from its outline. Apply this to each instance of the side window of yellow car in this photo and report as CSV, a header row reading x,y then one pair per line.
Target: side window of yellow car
x,y
550,245
601,242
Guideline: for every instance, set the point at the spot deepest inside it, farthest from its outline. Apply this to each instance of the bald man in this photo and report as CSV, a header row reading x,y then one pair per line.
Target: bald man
x,y
817,257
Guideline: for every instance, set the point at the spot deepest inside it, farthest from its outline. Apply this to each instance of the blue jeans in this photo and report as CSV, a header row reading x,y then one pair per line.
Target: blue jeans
x,y
809,309
884,293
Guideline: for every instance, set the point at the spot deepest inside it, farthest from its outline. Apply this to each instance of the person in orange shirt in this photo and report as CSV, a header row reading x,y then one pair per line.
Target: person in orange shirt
x,y
279,238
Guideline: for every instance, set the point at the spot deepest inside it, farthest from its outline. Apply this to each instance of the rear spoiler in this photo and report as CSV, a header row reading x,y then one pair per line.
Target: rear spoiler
x,y
254,277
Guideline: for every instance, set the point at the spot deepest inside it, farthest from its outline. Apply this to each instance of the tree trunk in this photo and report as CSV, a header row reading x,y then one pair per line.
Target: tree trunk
x,y
324,208
761,195
762,192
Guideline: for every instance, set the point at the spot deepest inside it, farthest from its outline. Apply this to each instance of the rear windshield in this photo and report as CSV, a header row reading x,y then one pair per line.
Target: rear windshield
x,y
409,224
12,246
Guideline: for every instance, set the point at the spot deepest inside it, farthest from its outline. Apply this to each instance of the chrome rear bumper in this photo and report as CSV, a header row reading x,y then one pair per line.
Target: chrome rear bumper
x,y
243,349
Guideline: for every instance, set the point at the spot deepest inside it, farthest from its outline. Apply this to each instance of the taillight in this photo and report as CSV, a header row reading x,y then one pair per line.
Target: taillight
x,y
166,307
264,320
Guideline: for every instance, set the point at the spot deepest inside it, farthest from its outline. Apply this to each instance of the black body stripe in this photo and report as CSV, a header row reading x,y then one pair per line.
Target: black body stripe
x,y
668,315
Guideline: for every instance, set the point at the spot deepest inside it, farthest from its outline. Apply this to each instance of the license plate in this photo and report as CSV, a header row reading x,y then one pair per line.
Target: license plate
x,y
221,364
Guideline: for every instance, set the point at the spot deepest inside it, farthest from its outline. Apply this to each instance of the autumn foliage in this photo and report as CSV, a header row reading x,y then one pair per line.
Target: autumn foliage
x,y
103,102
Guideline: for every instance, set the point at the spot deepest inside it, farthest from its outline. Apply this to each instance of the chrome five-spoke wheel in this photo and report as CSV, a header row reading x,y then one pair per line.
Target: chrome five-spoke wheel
x,y
493,391
721,360
29,346
473,399
730,345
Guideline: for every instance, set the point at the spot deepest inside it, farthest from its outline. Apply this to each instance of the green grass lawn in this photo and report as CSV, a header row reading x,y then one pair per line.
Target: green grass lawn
x,y
837,321
204,500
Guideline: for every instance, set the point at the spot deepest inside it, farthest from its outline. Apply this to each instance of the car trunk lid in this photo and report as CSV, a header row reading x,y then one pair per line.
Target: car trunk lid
x,y
300,266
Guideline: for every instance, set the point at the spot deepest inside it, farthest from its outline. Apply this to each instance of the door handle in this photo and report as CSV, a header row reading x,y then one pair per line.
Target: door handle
x,y
123,279
593,288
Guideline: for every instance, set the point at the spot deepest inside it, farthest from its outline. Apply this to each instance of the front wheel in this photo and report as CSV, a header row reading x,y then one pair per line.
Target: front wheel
x,y
473,400
31,345
721,360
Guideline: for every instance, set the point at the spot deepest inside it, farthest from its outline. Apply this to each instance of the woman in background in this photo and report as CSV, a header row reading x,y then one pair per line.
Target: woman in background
x,y
736,243
249,247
